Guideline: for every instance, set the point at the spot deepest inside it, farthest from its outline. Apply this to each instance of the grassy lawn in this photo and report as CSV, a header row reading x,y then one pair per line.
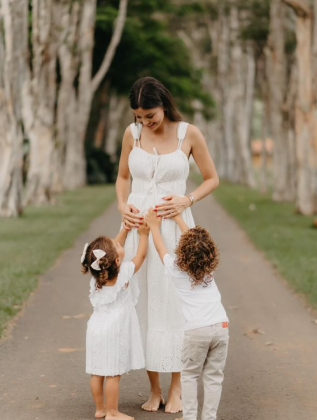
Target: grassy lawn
x,y
287,239
30,245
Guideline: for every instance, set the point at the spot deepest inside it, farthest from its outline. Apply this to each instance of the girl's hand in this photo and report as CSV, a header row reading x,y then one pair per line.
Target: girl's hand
x,y
144,229
175,205
129,217
152,219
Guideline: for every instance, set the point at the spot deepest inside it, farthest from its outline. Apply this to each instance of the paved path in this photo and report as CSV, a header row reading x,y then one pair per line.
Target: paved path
x,y
271,374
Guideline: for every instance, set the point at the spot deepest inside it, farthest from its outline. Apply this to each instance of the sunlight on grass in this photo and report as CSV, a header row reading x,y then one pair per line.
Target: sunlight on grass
x,y
30,245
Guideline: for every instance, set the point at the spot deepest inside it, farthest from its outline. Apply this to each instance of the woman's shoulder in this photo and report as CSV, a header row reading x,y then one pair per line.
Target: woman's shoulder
x,y
193,130
194,135
128,137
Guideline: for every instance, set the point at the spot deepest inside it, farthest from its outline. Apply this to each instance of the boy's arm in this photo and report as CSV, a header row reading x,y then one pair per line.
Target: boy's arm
x,y
181,224
154,222
122,236
158,242
141,253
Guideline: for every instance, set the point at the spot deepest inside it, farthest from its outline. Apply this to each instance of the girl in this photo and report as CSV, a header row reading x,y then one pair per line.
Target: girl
x,y
113,345
155,153
206,336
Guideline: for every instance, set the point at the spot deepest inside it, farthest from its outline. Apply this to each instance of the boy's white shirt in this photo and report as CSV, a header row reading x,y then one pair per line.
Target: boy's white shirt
x,y
201,304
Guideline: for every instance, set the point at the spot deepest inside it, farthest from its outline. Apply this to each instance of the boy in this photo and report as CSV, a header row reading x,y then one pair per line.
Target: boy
x,y
206,336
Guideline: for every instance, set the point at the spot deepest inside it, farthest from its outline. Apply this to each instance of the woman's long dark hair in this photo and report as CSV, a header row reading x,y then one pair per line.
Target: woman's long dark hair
x,y
149,93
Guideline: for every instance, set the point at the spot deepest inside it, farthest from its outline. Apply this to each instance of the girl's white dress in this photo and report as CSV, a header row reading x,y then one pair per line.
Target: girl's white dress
x,y
113,340
159,310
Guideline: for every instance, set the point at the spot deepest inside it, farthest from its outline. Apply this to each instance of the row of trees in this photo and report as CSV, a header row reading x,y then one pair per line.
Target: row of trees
x,y
46,90
66,67
264,50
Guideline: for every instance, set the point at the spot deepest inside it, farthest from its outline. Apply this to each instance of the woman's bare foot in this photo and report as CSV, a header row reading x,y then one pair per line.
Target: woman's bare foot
x,y
174,402
154,402
100,414
116,415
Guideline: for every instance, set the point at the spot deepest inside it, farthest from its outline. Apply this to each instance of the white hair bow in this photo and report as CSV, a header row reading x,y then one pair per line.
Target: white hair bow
x,y
83,255
98,253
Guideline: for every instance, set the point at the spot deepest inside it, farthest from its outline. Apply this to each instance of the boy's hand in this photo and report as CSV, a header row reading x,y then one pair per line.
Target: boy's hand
x,y
144,229
152,219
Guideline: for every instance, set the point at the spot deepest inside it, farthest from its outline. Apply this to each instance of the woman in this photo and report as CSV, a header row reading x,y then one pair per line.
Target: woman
x,y
155,152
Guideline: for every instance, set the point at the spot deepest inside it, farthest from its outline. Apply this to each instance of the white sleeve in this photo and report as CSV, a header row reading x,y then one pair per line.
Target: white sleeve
x,y
126,272
170,267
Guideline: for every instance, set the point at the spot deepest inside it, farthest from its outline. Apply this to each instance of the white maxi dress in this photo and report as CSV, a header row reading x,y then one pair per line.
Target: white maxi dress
x,y
161,320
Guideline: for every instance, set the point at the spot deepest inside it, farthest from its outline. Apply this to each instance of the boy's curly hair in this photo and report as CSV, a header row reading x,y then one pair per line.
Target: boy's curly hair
x,y
107,264
197,255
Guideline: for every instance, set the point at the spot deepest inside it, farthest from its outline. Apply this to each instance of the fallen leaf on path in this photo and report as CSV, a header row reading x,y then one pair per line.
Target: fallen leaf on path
x,y
250,333
269,343
79,316
140,395
69,350
53,386
258,331
233,307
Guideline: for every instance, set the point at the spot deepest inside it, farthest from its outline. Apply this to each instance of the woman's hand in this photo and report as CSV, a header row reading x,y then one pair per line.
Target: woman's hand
x,y
175,205
129,216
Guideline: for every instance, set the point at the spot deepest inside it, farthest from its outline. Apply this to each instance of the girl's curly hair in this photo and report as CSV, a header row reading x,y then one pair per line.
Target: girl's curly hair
x,y
197,255
107,264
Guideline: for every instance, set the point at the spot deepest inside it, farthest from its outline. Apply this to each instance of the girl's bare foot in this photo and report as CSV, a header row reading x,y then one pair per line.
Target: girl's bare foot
x,y
116,415
100,414
154,402
174,402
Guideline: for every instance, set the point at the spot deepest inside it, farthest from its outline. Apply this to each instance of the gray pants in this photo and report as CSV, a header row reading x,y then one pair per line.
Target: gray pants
x,y
204,352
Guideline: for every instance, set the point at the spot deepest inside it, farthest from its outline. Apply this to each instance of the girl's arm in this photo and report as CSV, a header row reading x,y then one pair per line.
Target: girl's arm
x,y
121,237
197,146
154,221
181,224
123,182
141,254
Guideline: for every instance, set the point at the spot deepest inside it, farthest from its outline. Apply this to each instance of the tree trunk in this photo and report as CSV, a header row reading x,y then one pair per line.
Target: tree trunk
x,y
13,38
75,163
117,106
226,95
305,110
242,85
280,113
39,96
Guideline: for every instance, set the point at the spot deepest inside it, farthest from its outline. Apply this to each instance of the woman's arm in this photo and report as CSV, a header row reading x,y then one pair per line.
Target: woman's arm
x,y
205,164
123,182
197,146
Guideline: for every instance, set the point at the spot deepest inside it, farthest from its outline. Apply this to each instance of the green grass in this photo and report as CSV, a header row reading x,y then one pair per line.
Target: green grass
x,y
286,238
30,245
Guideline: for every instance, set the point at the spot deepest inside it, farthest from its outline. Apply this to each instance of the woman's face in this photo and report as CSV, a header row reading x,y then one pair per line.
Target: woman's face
x,y
151,118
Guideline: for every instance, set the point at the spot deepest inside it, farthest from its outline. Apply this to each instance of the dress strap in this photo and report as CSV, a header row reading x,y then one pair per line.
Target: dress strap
x,y
136,129
181,133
